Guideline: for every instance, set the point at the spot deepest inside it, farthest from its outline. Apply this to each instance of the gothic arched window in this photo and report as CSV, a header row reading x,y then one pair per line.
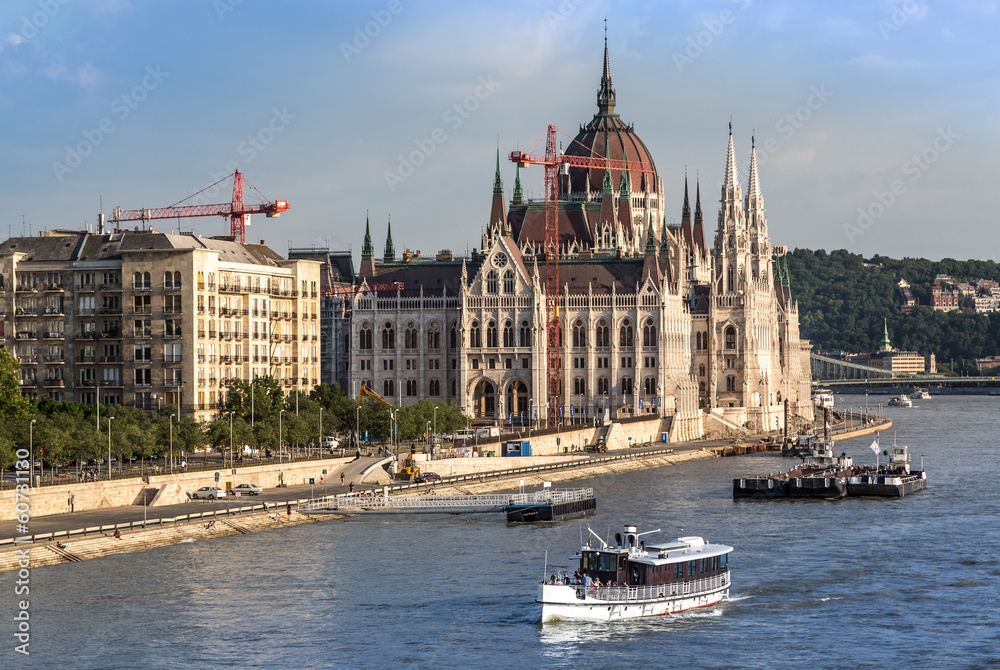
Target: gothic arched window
x,y
649,334
603,334
730,338
627,337
388,336
524,337
491,281
491,334
508,334
579,335
475,335
508,282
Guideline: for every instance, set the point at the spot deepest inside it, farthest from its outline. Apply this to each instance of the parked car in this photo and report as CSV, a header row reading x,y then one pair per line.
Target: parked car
x,y
246,490
428,477
208,492
330,442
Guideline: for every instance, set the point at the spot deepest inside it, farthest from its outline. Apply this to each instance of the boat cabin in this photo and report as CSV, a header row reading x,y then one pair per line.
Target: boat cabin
x,y
681,560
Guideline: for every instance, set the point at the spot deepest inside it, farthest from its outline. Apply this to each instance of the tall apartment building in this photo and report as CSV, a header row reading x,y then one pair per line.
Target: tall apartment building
x,y
147,319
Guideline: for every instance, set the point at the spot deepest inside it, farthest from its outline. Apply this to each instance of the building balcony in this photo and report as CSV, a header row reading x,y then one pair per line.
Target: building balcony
x,y
212,381
53,335
211,311
142,334
52,311
111,287
201,358
173,382
201,286
111,335
26,288
175,360
201,309
25,311
111,383
28,360
53,288
53,359
29,383
86,288
111,359
26,335
87,383
88,335
86,358
54,383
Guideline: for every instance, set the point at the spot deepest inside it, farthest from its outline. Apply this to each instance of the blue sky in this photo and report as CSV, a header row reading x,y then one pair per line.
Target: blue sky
x,y
876,122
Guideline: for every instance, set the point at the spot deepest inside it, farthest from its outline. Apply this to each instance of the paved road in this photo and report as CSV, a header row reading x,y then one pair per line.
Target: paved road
x,y
136,513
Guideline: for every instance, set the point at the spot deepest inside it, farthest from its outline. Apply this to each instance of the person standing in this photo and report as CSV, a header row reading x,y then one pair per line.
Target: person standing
x,y
350,487
288,510
341,478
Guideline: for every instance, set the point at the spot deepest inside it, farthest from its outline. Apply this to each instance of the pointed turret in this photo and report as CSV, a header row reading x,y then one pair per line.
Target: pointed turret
x,y
651,265
606,95
754,198
731,184
367,269
650,240
390,249
498,217
886,345
625,205
686,234
608,195
518,196
664,240
699,228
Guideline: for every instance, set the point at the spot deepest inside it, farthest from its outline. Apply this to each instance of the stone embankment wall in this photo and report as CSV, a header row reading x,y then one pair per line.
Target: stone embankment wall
x,y
173,488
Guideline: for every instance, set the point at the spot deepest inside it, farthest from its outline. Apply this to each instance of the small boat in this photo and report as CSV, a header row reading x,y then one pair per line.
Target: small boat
x,y
822,398
634,579
900,401
921,394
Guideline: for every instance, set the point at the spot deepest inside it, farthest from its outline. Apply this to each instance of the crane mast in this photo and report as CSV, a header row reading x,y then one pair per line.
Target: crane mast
x,y
553,331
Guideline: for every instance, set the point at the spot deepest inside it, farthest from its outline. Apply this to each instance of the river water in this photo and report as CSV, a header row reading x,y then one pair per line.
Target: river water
x,y
816,584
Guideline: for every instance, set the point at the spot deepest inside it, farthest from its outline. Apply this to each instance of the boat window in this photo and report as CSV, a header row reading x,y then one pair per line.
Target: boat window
x,y
607,563
678,570
722,560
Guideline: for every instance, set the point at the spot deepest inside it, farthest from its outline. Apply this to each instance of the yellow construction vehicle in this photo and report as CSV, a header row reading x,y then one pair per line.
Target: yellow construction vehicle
x,y
368,393
409,471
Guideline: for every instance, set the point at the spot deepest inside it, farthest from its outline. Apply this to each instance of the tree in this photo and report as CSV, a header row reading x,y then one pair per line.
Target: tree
x,y
14,406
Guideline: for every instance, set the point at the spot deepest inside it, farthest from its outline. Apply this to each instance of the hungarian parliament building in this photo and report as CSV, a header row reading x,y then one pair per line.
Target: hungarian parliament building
x,y
652,319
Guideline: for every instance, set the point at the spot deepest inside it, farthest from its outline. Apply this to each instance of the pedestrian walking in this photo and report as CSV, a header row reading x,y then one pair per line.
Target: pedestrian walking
x,y
118,534
350,487
341,478
288,510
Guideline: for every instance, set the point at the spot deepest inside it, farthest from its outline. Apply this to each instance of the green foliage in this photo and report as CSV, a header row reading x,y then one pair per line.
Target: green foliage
x,y
842,304
13,405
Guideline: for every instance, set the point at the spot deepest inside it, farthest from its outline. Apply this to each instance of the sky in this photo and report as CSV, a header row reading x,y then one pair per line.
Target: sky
x,y
875,122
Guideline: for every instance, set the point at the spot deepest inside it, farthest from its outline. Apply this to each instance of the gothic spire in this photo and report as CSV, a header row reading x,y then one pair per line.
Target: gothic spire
x,y
664,240
367,249
606,96
390,249
731,182
699,228
650,240
498,216
754,199
686,234
518,196
625,205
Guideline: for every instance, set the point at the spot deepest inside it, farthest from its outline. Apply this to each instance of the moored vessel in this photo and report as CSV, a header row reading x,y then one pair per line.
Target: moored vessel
x,y
921,394
900,401
633,579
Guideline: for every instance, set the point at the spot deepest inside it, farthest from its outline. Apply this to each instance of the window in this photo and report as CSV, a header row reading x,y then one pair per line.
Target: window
x,y
508,334
475,363
579,335
388,388
626,336
410,337
411,387
475,335
524,337
508,282
602,334
602,386
388,337
491,334
491,282
626,386
143,377
731,384
701,370
649,386
454,337
433,337
579,386
649,334
364,336
434,388
524,363
730,338
508,363
168,280
143,353
491,363
388,364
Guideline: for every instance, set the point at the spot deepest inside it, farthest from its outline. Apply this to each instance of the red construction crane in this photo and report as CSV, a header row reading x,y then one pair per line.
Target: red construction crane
x,y
552,160
235,210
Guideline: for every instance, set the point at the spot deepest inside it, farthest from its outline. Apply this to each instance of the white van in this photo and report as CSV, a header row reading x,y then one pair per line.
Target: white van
x,y
464,434
330,442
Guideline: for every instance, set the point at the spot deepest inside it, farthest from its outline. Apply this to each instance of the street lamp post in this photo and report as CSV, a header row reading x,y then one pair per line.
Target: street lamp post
x,y
110,419
320,443
357,426
435,419
280,412
171,444
231,414
31,452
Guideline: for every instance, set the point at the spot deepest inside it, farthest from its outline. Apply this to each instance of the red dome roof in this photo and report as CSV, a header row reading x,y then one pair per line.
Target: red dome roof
x,y
622,144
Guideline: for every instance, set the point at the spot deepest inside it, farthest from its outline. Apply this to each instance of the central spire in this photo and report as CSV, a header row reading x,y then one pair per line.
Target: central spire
x,y
606,96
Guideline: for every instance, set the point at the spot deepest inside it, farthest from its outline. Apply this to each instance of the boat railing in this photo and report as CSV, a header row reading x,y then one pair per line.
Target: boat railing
x,y
654,591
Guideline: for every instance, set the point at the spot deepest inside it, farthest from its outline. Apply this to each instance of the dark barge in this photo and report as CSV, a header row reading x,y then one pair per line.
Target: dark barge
x,y
829,477
556,506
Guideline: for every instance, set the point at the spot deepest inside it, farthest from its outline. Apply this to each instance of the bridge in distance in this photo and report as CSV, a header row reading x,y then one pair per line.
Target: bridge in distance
x,y
833,372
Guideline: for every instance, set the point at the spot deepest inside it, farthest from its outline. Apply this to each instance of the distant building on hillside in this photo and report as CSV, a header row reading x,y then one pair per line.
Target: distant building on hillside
x,y
909,302
898,362
942,299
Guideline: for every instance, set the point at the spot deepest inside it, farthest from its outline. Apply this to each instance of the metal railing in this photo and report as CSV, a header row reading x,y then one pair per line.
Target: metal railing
x,y
631,594
485,502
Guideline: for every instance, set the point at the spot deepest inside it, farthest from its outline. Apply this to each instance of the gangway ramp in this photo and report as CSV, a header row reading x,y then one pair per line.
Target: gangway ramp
x,y
445,504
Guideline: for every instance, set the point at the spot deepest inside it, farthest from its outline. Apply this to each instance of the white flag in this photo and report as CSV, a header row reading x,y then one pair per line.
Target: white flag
x,y
874,447
828,426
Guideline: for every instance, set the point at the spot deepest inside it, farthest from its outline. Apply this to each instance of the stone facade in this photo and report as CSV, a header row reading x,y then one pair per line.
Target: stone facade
x,y
149,319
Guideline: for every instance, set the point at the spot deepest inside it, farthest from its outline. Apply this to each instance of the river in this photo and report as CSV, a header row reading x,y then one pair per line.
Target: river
x,y
816,584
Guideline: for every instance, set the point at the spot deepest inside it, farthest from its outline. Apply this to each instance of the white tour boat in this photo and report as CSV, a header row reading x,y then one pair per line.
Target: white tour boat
x,y
921,394
900,401
636,579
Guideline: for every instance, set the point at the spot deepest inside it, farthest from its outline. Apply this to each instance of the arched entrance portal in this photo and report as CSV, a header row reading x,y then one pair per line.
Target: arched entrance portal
x,y
516,401
484,400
